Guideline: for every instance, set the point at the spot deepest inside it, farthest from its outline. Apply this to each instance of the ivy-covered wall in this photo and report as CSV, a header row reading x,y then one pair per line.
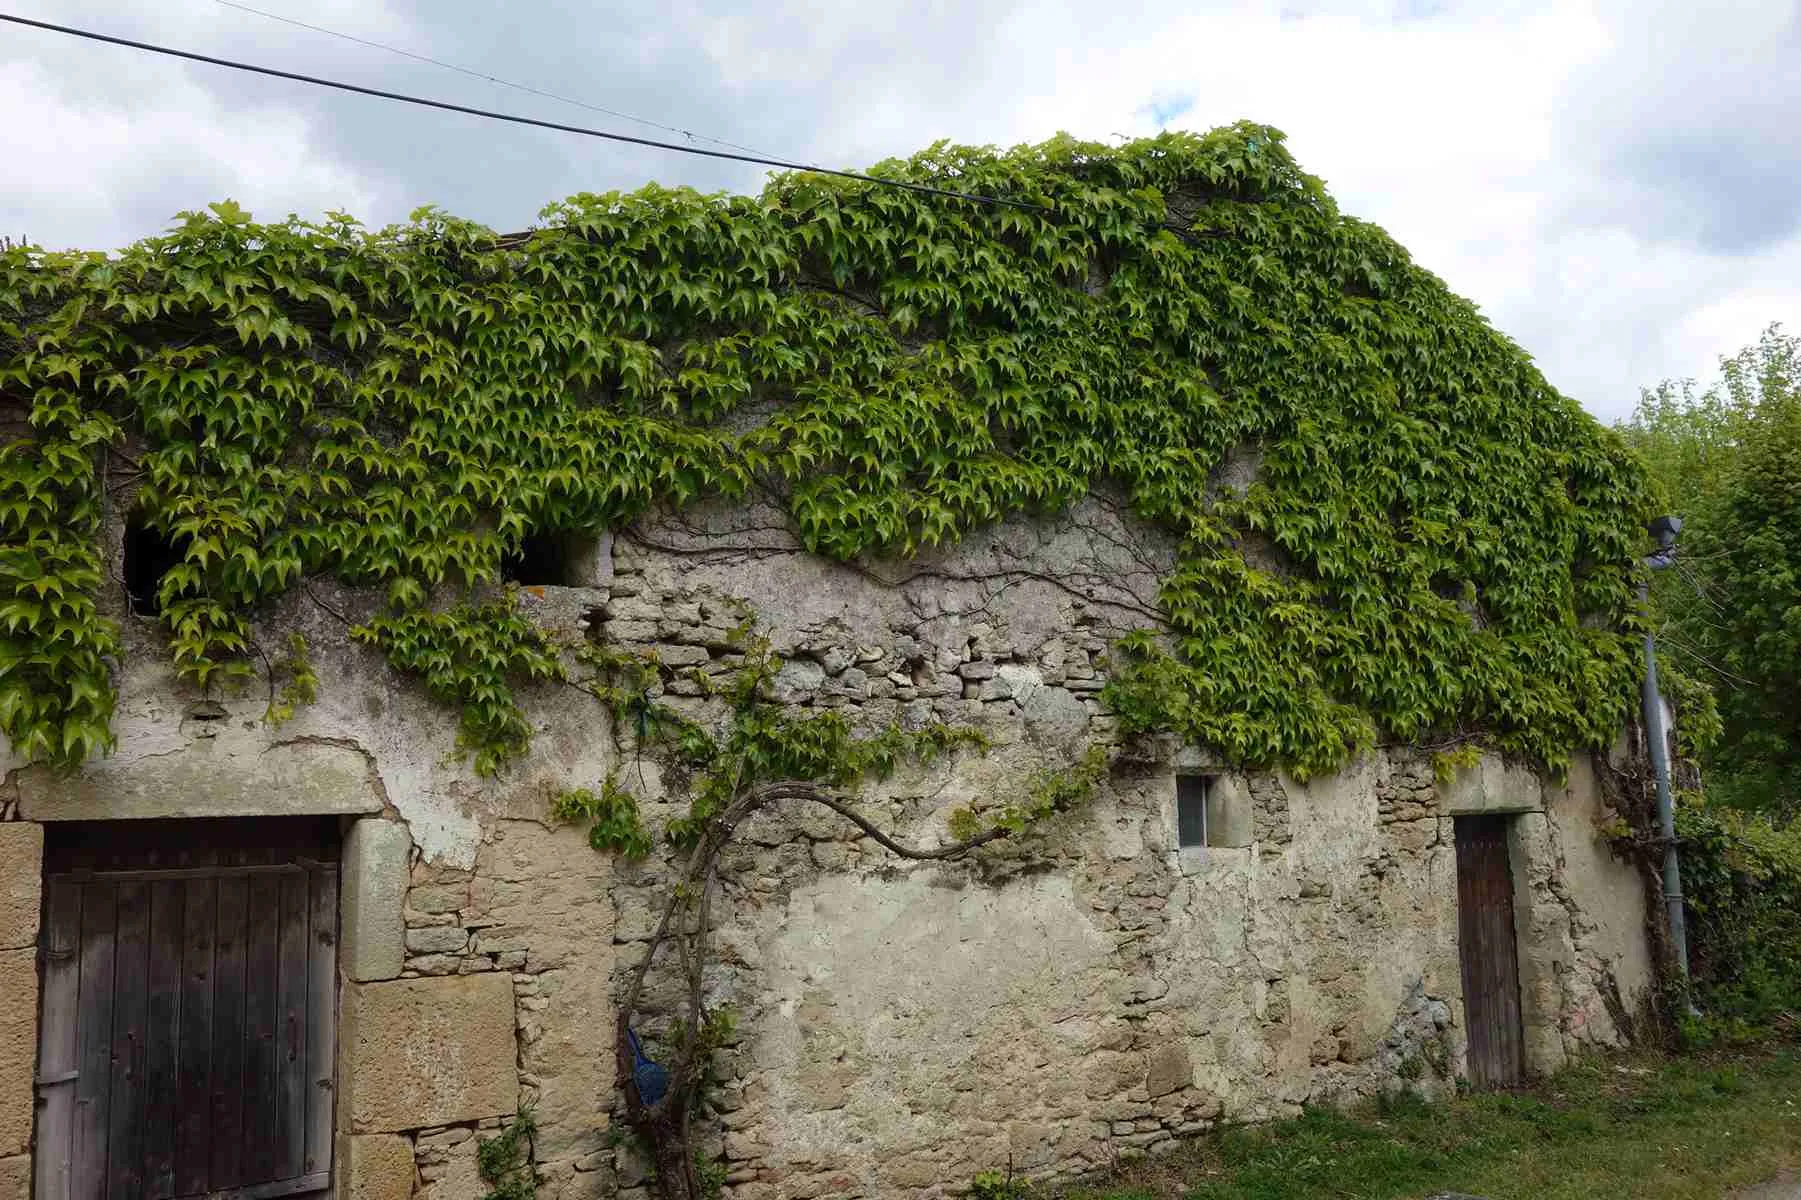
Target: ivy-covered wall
x,y
1436,543
1087,990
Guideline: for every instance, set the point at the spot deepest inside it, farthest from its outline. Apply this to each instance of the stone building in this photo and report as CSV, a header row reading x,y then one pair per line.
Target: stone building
x,y
1163,392
414,954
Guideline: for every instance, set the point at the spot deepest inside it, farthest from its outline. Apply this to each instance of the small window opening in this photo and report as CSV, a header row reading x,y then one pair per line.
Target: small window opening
x,y
555,559
149,554
1191,810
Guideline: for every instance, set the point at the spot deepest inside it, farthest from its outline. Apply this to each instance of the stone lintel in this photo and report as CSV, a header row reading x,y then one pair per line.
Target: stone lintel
x,y
228,775
1491,786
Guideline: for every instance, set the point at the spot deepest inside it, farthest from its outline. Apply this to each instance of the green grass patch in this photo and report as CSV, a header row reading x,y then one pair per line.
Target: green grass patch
x,y
1616,1127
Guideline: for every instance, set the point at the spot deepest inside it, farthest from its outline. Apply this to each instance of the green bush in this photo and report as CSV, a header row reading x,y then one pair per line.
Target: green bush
x,y
996,1185
1742,877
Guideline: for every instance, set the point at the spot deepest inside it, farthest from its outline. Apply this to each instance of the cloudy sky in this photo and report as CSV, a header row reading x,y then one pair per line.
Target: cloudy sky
x,y
1617,184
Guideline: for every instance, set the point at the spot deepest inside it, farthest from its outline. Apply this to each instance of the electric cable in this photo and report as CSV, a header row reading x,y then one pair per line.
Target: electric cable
x,y
447,106
483,75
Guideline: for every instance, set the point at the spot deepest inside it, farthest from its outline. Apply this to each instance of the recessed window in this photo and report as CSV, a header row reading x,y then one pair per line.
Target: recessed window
x,y
148,556
1213,812
554,559
1191,810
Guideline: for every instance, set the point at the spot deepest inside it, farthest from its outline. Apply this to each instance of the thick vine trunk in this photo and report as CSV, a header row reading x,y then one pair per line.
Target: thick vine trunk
x,y
667,1126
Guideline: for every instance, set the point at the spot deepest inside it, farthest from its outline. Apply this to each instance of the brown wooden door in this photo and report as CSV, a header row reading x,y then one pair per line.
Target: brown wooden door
x,y
189,1030
1490,954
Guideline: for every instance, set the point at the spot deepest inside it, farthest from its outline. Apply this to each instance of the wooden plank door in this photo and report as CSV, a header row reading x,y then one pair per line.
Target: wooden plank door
x,y
189,1032
1489,952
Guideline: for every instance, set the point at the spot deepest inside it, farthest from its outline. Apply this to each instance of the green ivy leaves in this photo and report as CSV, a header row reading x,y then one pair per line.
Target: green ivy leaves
x,y
611,815
472,656
56,693
1435,539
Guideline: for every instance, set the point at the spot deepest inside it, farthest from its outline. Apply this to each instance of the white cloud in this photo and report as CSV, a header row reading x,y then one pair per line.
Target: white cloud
x,y
1616,184
96,153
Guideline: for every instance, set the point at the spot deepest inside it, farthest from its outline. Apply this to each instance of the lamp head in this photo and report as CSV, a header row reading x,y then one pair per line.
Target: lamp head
x,y
1664,529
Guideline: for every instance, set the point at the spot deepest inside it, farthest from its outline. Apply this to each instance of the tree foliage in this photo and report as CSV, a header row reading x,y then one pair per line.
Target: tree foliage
x,y
1436,542
1742,880
1728,460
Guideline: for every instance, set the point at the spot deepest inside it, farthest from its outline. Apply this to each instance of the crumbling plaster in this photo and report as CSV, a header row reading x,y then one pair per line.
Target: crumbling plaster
x,y
902,1026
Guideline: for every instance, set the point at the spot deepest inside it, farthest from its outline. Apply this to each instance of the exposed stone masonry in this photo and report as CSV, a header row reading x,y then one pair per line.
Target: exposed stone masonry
x,y
1094,993
1186,989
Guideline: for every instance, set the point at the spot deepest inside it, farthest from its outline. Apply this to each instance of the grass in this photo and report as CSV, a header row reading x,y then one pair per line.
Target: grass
x,y
1615,1128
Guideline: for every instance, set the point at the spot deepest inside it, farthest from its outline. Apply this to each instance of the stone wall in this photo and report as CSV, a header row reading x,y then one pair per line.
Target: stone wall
x,y
901,1026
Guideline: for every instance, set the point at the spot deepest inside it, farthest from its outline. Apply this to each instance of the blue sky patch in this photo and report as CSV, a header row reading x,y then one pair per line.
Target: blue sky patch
x,y
1167,106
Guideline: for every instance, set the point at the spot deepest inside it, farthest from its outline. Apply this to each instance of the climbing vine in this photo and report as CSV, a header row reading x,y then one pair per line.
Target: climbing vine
x,y
756,755
1435,540
472,654
504,1161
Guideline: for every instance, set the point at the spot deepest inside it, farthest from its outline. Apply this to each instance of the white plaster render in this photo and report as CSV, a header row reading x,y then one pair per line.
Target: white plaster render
x,y
929,1013
1605,889
902,1027
372,739
1316,962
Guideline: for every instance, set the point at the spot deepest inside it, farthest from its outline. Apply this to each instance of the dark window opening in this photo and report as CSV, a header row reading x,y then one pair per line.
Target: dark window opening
x,y
1191,810
550,560
148,556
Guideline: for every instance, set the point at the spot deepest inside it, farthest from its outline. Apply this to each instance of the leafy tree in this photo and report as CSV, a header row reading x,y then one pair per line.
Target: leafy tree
x,y
1755,538
1728,460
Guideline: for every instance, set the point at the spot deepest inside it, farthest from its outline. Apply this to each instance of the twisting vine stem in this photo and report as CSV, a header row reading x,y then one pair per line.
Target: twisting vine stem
x,y
667,1125
761,755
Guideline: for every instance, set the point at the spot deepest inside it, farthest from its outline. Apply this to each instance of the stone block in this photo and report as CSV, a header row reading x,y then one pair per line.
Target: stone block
x,y
18,1046
21,881
1169,1070
15,1177
420,1052
437,939
373,894
798,681
1491,786
1055,716
377,1166
455,1175
439,897
552,896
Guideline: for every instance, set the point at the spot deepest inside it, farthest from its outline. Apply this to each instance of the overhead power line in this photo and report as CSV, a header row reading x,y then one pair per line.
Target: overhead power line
x,y
447,106
474,74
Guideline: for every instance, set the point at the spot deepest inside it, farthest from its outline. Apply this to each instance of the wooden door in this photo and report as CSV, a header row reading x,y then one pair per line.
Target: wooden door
x,y
1490,954
189,1026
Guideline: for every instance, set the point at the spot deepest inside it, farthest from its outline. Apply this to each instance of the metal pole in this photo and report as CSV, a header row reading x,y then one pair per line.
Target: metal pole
x,y
1658,745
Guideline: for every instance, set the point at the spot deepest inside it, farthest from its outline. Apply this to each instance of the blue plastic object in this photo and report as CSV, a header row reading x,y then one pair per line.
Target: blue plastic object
x,y
652,1078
